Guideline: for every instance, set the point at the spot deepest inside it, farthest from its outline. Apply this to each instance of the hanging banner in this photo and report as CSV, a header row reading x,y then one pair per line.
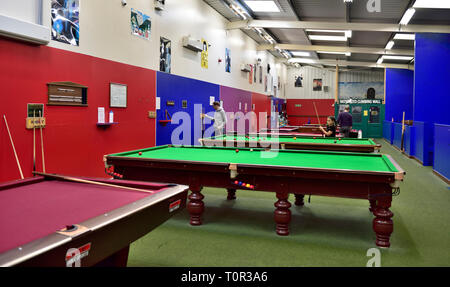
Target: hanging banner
x,y
205,54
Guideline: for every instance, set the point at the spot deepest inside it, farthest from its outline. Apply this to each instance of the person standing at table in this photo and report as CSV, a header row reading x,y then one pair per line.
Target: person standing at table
x,y
220,119
345,120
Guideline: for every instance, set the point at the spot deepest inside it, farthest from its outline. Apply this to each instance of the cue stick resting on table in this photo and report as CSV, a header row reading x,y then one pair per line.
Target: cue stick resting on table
x,y
14,149
74,179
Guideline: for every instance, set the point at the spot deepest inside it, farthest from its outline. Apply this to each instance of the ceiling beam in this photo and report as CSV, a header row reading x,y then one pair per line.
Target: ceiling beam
x,y
343,49
373,27
358,64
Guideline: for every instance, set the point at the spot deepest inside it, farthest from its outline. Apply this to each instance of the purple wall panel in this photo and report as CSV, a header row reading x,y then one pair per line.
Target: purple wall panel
x,y
231,98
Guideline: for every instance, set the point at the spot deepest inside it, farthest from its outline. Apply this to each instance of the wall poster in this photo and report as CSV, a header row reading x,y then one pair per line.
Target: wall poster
x,y
65,16
205,54
140,24
165,57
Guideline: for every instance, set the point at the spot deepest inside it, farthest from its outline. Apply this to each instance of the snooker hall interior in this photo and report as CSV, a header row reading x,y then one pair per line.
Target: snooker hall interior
x,y
225,133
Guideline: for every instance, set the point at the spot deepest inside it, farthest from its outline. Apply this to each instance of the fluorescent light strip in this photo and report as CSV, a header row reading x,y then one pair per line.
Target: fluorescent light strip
x,y
380,60
262,6
389,45
405,58
348,33
407,16
438,4
411,37
300,54
348,54
327,38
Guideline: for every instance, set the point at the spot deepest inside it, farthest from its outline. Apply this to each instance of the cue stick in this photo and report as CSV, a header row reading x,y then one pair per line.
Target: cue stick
x,y
403,132
14,149
74,179
317,114
34,140
42,143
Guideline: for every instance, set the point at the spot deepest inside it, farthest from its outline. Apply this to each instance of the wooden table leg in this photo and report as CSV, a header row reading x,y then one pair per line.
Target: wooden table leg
x,y
282,214
231,194
196,205
299,199
382,223
373,204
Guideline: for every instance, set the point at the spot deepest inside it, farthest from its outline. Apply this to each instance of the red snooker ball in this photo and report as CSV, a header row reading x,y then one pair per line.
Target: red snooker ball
x,y
236,182
140,153
237,151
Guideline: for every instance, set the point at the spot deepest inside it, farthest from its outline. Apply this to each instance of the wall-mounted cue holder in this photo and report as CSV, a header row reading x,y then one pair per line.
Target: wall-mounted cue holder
x,y
36,122
35,116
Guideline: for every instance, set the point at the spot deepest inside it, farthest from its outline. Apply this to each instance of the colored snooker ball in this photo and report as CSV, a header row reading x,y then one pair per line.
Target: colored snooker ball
x,y
140,153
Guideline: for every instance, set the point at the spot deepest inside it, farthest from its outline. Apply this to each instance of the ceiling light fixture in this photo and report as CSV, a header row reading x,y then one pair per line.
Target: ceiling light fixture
x,y
405,37
437,4
402,58
300,54
348,54
407,16
389,45
347,33
380,60
239,11
327,38
263,6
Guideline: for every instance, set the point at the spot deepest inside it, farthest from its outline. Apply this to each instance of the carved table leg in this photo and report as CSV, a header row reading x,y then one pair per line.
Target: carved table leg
x,y
382,223
231,194
299,199
282,213
196,205
373,204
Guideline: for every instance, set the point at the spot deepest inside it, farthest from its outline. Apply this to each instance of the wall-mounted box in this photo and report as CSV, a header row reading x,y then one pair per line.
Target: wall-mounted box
x,y
246,68
192,44
35,123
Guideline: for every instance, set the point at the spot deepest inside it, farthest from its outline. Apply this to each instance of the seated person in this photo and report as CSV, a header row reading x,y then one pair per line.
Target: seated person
x,y
330,130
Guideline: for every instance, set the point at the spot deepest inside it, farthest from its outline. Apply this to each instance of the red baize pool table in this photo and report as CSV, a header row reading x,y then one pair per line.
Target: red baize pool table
x,y
34,213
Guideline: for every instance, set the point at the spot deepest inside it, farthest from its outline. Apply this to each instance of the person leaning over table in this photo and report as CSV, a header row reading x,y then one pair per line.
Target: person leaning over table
x,y
330,131
220,119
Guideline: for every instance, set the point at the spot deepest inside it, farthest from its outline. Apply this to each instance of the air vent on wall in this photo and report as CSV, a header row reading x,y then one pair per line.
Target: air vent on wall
x,y
192,44
246,68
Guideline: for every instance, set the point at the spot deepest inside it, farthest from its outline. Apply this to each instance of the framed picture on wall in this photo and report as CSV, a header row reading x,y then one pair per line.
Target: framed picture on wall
x,y
317,85
118,95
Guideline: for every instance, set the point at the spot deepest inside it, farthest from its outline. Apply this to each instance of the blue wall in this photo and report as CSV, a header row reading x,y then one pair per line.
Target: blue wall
x,y
432,76
431,93
442,150
399,94
176,88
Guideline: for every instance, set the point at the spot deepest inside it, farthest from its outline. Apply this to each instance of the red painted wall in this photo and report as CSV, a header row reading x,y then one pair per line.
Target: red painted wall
x,y
74,145
262,104
298,115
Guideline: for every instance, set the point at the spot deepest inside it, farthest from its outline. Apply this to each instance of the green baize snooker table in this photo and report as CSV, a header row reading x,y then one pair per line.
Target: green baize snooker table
x,y
371,176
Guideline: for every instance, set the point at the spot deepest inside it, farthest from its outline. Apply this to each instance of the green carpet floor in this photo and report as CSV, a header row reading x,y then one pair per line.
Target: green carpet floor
x,y
326,232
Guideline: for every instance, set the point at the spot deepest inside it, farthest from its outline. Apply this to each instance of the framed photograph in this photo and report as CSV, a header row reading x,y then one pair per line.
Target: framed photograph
x,y
317,85
118,95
